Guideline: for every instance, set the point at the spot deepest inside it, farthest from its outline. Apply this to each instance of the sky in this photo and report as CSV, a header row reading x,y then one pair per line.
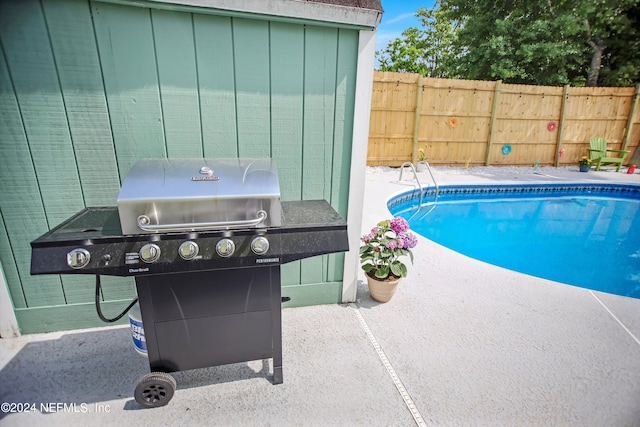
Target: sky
x,y
398,16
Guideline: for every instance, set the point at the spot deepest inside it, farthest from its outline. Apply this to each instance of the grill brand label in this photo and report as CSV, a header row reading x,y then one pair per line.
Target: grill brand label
x,y
267,260
139,270
205,178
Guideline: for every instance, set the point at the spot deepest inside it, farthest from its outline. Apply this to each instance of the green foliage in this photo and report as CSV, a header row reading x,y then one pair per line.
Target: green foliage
x,y
621,58
584,161
555,42
428,50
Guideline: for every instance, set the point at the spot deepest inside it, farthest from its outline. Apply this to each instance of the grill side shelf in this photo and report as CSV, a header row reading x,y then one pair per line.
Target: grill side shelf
x,y
310,213
311,228
90,223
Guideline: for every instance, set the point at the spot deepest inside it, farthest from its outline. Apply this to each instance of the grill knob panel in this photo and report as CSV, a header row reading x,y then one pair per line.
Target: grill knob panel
x,y
78,258
260,245
149,253
188,250
225,248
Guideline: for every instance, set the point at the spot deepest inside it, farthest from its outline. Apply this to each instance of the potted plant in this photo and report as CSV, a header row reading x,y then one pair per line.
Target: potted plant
x,y
380,256
421,167
584,163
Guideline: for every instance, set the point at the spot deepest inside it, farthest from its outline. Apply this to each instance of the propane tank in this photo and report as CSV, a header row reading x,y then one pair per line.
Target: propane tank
x,y
137,330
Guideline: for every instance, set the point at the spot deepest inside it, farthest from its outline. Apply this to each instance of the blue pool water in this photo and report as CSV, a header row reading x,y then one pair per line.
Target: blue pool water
x,y
582,235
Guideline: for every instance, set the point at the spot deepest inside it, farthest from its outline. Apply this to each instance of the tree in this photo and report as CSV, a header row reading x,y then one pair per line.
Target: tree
x,y
552,42
613,32
520,41
406,54
428,50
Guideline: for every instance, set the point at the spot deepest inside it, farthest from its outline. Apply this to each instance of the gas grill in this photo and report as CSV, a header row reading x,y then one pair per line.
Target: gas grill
x,y
204,239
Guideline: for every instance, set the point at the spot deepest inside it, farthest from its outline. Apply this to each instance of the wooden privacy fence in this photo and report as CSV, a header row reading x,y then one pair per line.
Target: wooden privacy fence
x,y
472,122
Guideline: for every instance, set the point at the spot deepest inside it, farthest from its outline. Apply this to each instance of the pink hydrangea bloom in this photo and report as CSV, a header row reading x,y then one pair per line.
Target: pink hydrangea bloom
x,y
410,240
399,225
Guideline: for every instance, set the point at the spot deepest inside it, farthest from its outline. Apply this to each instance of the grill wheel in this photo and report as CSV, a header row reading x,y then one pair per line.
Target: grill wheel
x,y
155,389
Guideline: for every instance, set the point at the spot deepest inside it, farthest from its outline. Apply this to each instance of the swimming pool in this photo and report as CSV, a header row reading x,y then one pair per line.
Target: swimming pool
x,y
578,234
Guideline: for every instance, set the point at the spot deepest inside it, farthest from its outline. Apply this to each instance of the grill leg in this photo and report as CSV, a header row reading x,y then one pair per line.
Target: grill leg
x,y
277,375
276,311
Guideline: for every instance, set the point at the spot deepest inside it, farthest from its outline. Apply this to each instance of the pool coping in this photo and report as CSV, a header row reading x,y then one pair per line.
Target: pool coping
x,y
542,189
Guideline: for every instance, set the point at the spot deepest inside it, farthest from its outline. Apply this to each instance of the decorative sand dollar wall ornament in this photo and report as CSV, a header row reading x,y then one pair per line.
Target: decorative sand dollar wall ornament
x,y
551,126
506,149
453,122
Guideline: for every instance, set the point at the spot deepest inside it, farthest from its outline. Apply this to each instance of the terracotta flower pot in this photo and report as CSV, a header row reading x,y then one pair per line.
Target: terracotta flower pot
x,y
382,290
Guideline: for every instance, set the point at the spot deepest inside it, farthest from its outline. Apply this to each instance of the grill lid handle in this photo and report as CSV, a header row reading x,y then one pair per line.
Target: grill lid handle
x,y
144,224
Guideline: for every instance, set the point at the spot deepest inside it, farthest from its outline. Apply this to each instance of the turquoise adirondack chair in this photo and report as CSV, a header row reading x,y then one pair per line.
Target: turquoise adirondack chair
x,y
598,154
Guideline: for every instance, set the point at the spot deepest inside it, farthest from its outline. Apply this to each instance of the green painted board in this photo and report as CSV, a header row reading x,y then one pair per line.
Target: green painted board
x,y
290,273
346,71
33,74
78,66
319,92
319,103
313,294
45,117
287,85
24,219
216,83
251,61
67,317
20,200
313,270
7,263
176,57
117,288
128,60
73,42
78,288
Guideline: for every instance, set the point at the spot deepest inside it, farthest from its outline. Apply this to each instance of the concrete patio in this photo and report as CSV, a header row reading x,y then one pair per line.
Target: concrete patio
x,y
461,343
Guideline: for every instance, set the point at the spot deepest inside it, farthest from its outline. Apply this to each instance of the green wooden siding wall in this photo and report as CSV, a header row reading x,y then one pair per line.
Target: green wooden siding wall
x,y
89,88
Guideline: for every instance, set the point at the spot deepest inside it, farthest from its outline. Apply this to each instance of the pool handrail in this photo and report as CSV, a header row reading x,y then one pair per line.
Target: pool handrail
x,y
435,183
422,190
415,176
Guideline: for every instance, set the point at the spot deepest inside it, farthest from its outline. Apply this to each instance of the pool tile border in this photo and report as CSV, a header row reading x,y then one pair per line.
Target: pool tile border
x,y
496,191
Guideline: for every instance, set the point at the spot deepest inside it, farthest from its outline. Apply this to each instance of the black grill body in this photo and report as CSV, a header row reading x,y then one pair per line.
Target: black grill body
x,y
207,311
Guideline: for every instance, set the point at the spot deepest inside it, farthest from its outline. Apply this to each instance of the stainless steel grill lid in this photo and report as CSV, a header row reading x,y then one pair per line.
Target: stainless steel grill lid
x,y
166,195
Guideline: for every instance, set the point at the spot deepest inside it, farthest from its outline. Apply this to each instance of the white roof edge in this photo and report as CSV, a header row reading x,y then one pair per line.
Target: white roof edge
x,y
295,9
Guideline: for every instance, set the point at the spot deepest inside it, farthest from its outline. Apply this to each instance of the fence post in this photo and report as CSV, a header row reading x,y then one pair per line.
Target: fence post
x,y
632,113
416,121
494,109
565,98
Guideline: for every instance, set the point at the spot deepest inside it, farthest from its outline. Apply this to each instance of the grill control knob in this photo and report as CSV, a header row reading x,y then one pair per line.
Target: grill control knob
x,y
149,253
225,247
78,258
260,245
188,250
